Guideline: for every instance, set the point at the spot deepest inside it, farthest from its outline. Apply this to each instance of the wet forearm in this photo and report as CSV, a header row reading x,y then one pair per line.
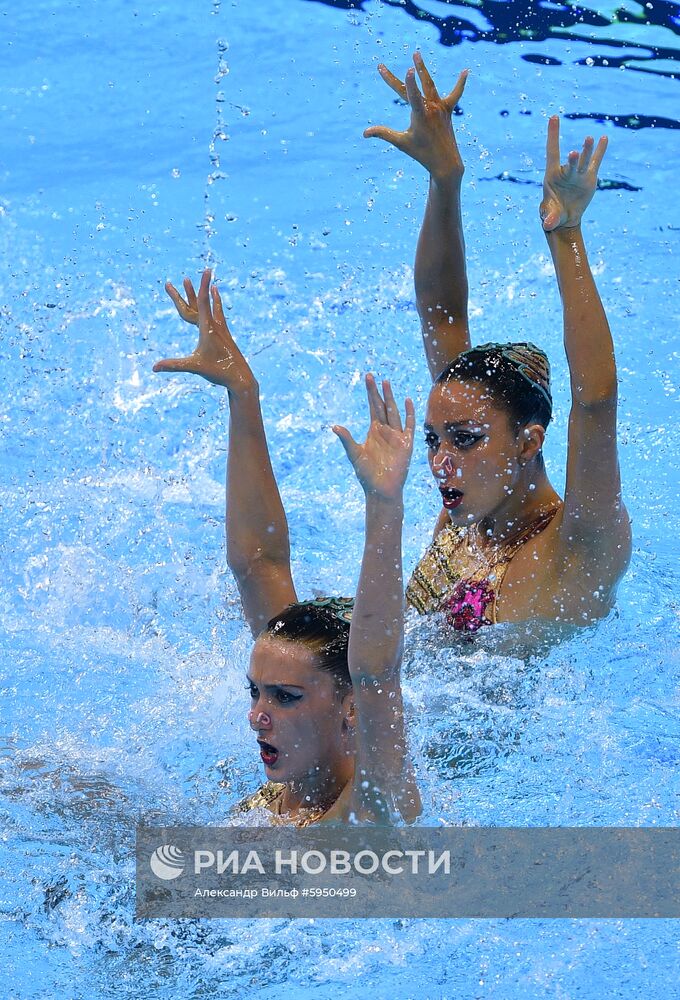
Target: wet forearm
x,y
376,637
440,274
256,523
587,337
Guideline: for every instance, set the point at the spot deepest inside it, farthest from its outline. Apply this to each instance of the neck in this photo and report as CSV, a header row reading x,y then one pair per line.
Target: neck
x,y
318,792
532,494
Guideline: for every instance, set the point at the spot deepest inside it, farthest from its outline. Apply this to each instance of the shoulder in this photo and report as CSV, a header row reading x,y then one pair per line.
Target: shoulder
x,y
563,578
600,555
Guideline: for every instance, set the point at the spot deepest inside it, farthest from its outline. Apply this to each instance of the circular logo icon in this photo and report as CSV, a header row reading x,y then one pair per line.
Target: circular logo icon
x,y
167,862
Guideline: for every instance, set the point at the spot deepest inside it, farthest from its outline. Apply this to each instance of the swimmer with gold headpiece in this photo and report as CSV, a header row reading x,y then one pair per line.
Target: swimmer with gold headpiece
x,y
507,547
324,675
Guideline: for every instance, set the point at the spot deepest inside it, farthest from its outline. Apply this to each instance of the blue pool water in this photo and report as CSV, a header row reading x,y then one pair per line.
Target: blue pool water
x,y
141,142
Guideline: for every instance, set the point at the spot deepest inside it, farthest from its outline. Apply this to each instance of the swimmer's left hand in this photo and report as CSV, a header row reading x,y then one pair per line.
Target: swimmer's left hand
x,y
381,463
568,189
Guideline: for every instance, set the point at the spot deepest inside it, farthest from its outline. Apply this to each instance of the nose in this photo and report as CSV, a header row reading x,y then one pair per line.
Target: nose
x,y
442,466
259,720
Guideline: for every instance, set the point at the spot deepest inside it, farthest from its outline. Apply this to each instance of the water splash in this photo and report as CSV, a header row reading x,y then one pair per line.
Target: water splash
x,y
219,136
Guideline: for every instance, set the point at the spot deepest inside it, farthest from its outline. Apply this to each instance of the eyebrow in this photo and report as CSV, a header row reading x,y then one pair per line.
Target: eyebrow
x,y
274,687
452,425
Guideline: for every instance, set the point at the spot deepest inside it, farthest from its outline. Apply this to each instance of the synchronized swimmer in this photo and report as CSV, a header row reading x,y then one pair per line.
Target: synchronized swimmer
x,y
506,546
324,676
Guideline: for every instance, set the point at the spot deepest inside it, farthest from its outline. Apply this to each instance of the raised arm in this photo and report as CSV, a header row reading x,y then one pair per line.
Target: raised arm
x,y
595,521
383,780
440,275
258,551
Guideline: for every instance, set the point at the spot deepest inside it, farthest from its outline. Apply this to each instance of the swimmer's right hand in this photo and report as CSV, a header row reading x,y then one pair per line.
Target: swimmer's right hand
x,y
216,356
188,310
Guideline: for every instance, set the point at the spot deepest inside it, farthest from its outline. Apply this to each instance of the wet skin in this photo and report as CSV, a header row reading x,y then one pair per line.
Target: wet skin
x,y
474,450
297,709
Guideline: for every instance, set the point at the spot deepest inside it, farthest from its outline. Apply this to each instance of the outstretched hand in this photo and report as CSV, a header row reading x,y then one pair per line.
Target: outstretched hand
x,y
381,463
568,189
216,357
429,138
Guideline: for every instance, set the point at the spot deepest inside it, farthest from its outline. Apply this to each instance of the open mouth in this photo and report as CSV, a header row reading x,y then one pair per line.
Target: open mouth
x,y
450,497
268,753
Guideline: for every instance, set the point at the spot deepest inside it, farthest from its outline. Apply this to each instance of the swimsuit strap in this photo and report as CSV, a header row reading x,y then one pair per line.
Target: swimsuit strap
x,y
270,796
508,549
456,566
263,797
507,552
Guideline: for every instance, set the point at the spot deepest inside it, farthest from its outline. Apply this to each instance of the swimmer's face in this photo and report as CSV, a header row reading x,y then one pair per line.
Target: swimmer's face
x,y
296,712
474,452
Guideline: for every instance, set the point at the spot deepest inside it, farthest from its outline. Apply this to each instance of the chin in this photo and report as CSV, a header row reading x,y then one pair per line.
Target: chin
x,y
277,771
284,771
459,515
274,772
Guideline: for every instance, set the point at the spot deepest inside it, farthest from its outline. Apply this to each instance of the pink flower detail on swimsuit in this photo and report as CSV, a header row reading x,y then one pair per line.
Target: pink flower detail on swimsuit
x,y
466,608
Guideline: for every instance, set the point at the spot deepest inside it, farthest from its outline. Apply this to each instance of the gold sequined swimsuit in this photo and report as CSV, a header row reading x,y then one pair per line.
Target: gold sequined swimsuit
x,y
461,577
270,796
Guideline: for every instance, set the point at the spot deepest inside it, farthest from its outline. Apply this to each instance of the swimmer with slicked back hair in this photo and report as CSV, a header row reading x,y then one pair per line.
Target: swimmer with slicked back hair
x,y
507,547
324,675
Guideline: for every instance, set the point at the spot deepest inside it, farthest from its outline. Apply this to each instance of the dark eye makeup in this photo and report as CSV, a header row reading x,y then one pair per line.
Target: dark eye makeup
x,y
459,438
466,439
283,697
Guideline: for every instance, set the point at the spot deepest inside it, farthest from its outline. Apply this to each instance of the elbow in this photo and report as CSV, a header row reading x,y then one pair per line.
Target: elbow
x,y
604,395
241,557
244,562
238,562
